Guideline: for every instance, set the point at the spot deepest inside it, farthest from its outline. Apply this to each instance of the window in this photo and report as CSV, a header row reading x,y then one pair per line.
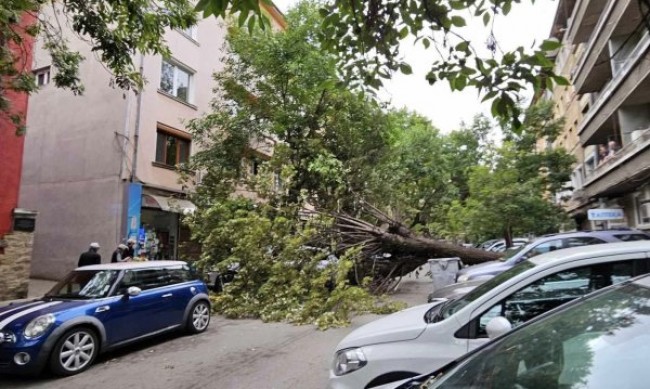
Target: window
x,y
554,290
631,237
581,241
642,210
544,248
172,150
189,32
176,81
144,279
42,76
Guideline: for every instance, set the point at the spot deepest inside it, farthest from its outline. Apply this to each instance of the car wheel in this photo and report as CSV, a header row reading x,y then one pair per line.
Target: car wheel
x,y
74,352
199,317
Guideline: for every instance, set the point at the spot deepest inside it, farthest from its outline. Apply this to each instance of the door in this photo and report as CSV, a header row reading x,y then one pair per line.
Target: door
x,y
130,317
550,292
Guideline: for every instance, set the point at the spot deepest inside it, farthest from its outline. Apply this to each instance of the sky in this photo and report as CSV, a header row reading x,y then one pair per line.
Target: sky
x,y
525,25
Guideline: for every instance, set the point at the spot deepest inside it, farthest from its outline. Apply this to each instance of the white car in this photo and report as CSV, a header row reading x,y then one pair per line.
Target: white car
x,y
426,337
500,245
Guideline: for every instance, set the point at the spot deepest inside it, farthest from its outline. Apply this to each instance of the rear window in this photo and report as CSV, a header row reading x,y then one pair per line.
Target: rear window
x,y
631,237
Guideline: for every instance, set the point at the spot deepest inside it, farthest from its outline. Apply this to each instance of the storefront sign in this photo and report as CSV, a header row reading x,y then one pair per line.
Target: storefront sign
x,y
605,214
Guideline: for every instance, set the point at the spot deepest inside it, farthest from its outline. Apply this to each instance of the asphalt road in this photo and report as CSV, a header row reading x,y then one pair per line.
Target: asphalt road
x,y
230,354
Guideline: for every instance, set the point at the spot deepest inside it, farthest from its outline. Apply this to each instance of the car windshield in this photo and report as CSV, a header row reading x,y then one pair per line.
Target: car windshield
x,y
84,284
602,342
509,253
454,306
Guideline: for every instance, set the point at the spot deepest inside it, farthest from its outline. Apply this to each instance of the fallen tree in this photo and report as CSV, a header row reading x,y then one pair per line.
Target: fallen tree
x,y
377,234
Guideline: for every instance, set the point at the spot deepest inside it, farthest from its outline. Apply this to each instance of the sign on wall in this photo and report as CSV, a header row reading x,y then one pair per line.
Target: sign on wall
x,y
605,214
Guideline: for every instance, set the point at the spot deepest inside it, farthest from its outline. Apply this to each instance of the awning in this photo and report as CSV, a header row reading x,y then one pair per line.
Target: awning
x,y
168,204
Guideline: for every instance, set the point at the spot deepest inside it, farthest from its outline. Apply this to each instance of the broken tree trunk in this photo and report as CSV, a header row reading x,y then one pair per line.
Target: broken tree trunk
x,y
407,250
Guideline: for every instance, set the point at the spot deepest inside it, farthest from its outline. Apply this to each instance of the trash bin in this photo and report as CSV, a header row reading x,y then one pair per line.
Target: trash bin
x,y
443,271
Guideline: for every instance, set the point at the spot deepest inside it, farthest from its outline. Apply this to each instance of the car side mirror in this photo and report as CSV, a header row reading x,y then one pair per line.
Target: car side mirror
x,y
133,291
497,327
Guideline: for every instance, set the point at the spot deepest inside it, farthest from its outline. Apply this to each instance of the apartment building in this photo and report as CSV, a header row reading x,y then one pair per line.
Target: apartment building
x,y
606,56
102,167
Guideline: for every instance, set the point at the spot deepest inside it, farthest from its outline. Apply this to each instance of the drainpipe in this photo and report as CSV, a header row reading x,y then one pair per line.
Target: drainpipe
x,y
136,132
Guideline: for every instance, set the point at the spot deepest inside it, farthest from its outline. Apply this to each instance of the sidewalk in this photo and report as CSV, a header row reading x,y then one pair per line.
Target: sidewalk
x,y
37,288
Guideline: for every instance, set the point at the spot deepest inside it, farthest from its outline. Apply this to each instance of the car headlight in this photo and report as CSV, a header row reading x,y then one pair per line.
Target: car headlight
x,y
38,326
347,361
463,278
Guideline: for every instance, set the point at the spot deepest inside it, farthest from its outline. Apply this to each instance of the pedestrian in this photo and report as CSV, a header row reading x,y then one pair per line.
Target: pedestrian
x,y
90,257
120,254
130,248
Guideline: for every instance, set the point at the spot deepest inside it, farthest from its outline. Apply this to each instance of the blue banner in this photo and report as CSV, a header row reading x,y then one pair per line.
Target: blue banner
x,y
133,212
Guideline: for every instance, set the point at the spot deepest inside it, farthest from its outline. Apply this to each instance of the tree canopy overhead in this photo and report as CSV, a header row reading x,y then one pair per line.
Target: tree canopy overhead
x,y
367,37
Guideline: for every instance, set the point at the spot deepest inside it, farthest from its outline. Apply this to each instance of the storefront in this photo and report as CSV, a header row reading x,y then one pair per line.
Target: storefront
x,y
156,223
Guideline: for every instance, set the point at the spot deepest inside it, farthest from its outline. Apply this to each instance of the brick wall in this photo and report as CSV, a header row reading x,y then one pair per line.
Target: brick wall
x,y
14,265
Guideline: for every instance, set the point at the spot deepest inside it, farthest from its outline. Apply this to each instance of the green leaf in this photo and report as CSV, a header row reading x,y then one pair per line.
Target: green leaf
x,y
462,46
486,19
405,68
458,21
550,45
561,81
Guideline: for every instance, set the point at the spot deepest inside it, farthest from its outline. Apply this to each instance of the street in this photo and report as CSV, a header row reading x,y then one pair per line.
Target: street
x,y
230,354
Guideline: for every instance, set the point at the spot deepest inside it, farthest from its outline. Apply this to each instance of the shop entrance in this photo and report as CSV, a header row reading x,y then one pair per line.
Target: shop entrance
x,y
159,234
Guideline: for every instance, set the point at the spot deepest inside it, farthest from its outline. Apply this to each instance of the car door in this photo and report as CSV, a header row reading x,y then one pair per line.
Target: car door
x,y
549,292
179,292
135,316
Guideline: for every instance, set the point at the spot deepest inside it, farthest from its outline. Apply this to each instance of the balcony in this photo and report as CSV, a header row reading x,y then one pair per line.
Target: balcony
x,y
619,19
584,18
629,87
623,171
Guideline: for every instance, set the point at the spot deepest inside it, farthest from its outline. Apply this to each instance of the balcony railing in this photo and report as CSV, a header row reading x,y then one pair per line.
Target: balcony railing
x,y
626,152
606,93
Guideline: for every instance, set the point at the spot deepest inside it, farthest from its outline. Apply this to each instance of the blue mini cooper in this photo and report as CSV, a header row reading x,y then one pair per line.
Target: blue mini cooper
x,y
98,308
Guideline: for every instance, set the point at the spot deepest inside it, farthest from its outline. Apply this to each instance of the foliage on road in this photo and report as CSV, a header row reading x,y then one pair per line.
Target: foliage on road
x,y
305,156
281,277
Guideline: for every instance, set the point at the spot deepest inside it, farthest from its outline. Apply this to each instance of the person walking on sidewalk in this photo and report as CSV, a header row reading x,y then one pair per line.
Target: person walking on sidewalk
x,y
90,257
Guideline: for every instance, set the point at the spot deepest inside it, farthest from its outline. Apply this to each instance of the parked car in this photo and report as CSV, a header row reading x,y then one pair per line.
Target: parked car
x,y
500,245
426,337
98,308
216,279
486,244
545,244
600,341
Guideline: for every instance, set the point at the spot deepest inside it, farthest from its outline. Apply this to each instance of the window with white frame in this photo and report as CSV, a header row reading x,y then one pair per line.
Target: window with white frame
x,y
190,32
42,76
176,81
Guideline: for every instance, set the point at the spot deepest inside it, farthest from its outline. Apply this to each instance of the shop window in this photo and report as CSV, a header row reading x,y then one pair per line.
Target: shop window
x,y
176,80
42,76
172,150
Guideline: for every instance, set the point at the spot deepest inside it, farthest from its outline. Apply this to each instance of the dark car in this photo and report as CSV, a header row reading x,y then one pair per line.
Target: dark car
x,y
98,308
598,341
545,244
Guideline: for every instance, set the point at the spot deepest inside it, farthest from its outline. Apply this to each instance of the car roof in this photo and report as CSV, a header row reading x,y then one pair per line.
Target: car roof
x,y
590,251
132,265
609,232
